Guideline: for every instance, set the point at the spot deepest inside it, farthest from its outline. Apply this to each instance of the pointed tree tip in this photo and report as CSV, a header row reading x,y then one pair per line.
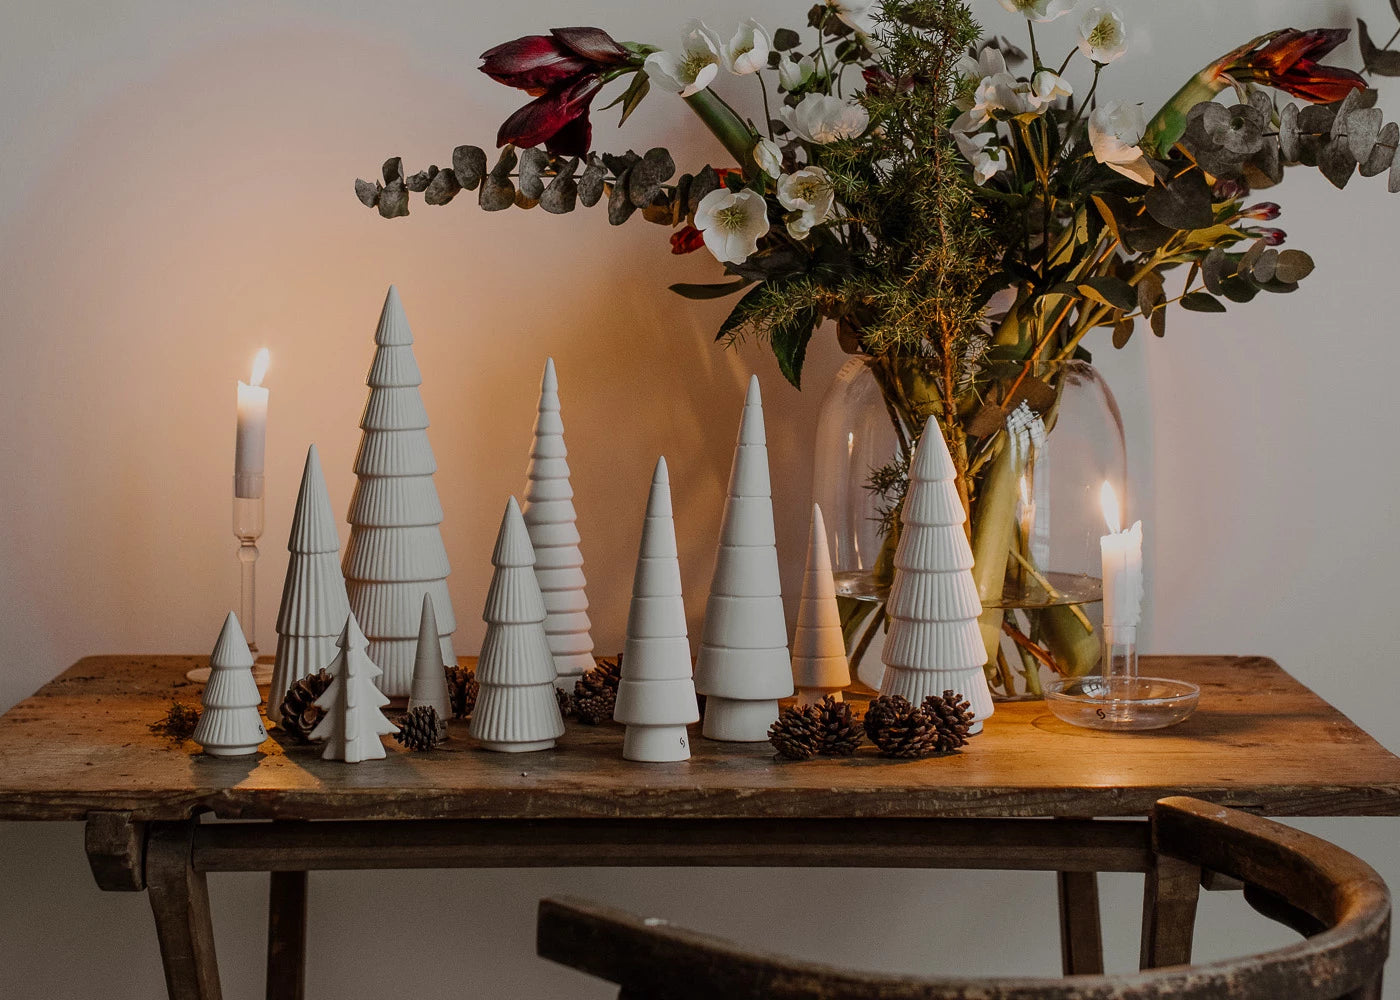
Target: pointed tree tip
x,y
661,474
754,397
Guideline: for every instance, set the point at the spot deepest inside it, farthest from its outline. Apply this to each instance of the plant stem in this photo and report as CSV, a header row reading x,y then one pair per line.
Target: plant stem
x,y
726,126
767,115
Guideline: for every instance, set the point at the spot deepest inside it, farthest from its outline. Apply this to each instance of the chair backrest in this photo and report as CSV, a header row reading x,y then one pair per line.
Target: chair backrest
x,y
1334,898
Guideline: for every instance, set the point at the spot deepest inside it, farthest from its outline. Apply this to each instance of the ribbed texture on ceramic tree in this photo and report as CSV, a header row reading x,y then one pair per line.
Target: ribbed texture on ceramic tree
x,y
395,555
550,517
353,722
516,708
743,666
819,664
230,725
314,604
934,643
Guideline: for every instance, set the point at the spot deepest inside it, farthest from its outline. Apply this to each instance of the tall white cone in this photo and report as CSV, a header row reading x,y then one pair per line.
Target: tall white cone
x,y
819,664
230,725
549,514
429,675
395,554
516,709
743,666
934,643
656,696
353,722
314,606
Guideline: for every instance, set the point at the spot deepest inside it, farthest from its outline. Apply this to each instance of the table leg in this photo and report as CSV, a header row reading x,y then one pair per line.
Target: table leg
x,y
1169,912
286,936
1081,933
180,902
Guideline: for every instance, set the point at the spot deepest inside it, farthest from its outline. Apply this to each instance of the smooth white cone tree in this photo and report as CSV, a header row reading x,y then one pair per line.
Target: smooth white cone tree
x,y
314,606
934,643
516,709
353,722
429,675
549,514
819,664
743,666
230,725
656,696
395,554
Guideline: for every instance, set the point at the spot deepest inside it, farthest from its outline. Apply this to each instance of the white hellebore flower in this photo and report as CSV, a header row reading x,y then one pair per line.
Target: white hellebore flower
x,y
983,152
1039,11
1102,36
1115,130
999,94
809,192
768,157
858,15
747,51
793,75
1047,85
821,118
690,71
733,222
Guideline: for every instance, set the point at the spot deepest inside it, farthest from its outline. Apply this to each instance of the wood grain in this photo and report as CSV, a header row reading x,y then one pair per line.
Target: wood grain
x,y
1260,741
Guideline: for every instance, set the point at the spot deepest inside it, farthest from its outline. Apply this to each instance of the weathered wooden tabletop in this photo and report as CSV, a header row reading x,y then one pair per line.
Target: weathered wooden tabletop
x,y
1260,741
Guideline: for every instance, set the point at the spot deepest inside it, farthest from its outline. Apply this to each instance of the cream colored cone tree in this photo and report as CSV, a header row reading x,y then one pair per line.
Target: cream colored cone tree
x,y
819,664
230,725
516,707
743,666
934,643
656,696
353,722
429,675
549,514
314,606
395,554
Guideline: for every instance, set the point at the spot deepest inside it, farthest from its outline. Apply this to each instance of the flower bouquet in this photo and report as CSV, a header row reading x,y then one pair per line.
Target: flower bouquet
x,y
959,209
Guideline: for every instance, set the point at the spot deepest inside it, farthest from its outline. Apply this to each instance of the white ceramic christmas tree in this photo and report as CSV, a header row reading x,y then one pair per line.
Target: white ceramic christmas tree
x,y
353,722
549,514
429,677
656,697
934,643
743,666
395,554
516,709
314,606
819,664
230,725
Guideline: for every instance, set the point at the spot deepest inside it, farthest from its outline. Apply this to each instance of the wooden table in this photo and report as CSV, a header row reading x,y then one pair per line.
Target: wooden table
x,y
1029,793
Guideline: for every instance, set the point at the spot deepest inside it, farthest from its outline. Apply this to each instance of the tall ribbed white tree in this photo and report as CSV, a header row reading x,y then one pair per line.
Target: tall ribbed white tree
x,y
934,643
353,722
549,514
395,554
819,664
314,606
230,725
743,666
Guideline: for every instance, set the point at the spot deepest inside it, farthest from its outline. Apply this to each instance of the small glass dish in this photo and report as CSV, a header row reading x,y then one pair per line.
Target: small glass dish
x,y
1122,704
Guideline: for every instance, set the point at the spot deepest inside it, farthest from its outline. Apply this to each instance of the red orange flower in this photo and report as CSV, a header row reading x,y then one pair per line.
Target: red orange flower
x,y
1287,61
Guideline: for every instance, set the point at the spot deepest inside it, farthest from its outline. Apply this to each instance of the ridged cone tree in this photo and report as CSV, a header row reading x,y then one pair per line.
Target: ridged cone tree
x,y
549,514
743,666
429,675
934,643
353,722
819,664
395,554
230,725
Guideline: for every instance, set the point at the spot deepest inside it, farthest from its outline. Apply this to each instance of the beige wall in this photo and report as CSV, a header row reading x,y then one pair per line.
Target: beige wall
x,y
177,193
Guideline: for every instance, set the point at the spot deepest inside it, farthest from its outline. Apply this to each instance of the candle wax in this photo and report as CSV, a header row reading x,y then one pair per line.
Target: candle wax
x,y
250,443
1122,577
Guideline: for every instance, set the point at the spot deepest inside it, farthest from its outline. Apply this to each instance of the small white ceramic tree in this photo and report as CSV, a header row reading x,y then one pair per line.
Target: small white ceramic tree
x,y
549,514
819,664
656,696
934,643
743,666
353,722
395,554
516,709
314,606
230,725
429,675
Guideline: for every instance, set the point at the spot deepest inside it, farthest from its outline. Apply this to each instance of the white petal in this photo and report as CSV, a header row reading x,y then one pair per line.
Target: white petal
x,y
664,69
701,81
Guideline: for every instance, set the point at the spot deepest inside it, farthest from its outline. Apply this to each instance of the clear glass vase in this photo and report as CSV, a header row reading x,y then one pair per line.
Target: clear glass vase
x,y
1035,442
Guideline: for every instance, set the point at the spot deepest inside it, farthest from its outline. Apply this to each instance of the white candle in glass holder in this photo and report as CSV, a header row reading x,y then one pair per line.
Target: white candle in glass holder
x,y
1121,552
250,443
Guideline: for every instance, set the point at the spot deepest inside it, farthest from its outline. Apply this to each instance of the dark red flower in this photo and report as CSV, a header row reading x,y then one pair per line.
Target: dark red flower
x,y
687,239
535,63
1287,61
558,118
1272,237
1264,211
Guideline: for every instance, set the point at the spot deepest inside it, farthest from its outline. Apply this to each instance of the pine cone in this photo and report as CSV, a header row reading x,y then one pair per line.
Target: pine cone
x,y
951,716
566,703
899,729
298,714
462,689
797,733
595,693
421,729
839,730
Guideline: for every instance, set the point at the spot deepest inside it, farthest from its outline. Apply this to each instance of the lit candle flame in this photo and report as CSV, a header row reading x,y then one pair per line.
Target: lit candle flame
x,y
1111,514
260,362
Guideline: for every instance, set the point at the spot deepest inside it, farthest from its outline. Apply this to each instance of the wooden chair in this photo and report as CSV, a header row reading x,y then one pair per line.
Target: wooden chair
x,y
1335,900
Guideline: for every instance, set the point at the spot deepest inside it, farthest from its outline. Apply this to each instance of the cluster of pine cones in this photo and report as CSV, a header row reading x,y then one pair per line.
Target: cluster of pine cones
x,y
595,693
896,727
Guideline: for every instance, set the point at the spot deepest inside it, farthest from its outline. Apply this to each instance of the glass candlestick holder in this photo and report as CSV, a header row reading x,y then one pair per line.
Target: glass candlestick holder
x,y
1119,699
247,528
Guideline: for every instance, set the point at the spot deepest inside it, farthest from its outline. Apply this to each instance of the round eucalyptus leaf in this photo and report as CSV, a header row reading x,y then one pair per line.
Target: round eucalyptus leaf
x,y
469,164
